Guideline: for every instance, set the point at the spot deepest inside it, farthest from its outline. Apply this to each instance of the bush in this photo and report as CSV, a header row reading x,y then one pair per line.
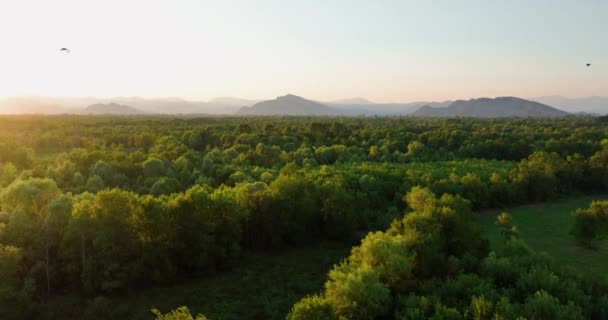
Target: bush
x,y
590,223
312,308
181,313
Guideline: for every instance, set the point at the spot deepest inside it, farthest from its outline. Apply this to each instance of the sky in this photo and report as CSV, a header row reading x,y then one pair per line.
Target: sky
x,y
383,50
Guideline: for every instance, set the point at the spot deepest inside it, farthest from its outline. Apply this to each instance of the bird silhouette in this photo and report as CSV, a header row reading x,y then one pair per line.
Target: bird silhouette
x,y
588,65
66,50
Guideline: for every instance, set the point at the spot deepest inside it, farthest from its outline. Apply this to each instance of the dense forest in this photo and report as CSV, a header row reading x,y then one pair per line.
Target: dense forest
x,y
95,207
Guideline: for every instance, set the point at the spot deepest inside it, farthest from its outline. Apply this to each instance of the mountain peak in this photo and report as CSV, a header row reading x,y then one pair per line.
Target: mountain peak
x,y
492,108
288,104
290,96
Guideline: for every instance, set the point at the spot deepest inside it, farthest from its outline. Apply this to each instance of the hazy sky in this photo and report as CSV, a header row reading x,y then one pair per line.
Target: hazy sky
x,y
320,49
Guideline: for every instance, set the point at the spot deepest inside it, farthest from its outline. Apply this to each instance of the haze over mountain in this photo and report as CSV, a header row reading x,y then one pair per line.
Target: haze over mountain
x,y
294,105
492,108
383,109
231,101
179,106
598,105
288,105
76,105
111,108
41,105
357,101
233,105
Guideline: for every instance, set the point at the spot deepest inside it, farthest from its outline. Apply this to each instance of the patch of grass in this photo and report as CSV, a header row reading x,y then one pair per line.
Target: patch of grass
x,y
546,227
263,286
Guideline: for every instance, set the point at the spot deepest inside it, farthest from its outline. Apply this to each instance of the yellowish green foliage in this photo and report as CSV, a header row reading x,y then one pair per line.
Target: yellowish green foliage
x,y
181,313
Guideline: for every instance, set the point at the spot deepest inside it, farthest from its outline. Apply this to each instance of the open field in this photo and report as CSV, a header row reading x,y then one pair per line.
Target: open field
x,y
263,286
546,227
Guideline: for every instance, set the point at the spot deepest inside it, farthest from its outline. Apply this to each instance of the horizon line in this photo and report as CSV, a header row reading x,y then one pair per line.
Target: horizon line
x,y
256,100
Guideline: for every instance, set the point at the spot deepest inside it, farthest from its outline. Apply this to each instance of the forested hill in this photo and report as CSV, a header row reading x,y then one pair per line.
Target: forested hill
x,y
111,108
288,105
492,108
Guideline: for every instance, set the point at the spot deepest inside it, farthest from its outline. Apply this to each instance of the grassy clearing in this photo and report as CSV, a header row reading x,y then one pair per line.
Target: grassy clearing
x,y
546,227
264,286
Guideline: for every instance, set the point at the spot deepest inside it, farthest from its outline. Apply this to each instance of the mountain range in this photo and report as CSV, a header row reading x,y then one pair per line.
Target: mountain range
x,y
55,105
477,108
294,105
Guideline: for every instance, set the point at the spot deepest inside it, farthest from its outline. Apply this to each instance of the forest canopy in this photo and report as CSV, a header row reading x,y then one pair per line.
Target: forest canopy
x,y
106,206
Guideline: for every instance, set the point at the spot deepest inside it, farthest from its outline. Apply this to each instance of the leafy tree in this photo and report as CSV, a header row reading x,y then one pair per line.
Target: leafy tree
x,y
95,184
8,173
165,185
538,175
385,254
32,196
420,199
15,299
544,306
34,223
357,292
103,170
590,223
113,245
181,313
153,168
507,228
312,308
417,151
78,181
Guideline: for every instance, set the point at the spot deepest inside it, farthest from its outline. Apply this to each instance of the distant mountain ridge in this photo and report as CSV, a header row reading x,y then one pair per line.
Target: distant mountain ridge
x,y
110,108
230,106
595,104
383,109
290,105
77,105
295,105
492,108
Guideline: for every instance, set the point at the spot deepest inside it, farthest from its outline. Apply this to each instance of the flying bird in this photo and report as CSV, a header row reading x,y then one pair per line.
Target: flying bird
x,y
588,65
66,50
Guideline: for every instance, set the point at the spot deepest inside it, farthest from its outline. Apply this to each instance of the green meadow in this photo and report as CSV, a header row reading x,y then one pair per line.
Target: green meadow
x,y
546,227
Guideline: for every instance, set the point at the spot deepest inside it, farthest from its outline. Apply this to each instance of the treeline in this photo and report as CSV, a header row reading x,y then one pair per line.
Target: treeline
x,y
433,264
159,155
